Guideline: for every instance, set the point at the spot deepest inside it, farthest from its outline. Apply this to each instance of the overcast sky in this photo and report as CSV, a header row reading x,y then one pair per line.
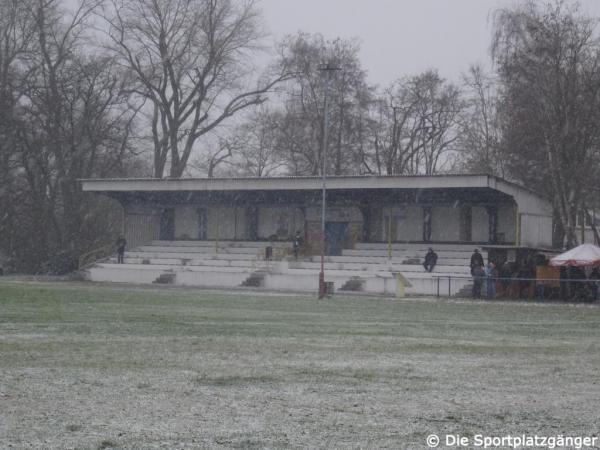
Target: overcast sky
x,y
399,37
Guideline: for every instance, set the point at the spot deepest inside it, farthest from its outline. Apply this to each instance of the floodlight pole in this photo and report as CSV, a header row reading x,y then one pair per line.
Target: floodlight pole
x,y
328,69
394,145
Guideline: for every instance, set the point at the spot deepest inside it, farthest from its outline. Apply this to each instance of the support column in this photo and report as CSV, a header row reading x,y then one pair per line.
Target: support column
x,y
427,223
365,210
252,222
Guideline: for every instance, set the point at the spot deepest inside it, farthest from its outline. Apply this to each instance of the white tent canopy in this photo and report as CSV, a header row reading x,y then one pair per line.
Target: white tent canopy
x,y
581,256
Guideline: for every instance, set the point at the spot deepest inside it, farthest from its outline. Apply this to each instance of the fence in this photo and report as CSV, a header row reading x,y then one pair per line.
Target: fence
x,y
88,258
575,289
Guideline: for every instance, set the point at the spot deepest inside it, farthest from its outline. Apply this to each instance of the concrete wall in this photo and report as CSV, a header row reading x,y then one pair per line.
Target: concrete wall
x,y
409,223
445,223
588,235
536,230
186,222
507,223
479,224
220,222
376,226
241,223
536,216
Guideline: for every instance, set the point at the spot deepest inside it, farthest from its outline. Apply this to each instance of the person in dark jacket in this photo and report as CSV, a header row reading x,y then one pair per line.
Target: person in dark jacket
x,y
430,260
478,276
121,244
296,244
476,260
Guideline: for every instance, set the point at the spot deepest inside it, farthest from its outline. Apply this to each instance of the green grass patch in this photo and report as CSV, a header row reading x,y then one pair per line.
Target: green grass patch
x,y
191,368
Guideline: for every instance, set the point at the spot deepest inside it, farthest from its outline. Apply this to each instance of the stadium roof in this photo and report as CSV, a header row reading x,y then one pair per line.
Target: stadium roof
x,y
299,183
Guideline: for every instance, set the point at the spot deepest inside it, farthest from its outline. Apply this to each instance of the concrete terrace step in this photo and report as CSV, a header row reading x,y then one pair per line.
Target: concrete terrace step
x,y
402,254
172,268
394,260
417,246
349,273
182,276
192,262
195,263
378,266
297,279
357,259
191,255
197,249
373,267
337,272
231,244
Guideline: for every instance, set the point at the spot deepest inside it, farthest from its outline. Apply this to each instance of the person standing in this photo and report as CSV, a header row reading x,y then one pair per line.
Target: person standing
x,y
476,260
490,280
430,260
121,244
296,244
478,275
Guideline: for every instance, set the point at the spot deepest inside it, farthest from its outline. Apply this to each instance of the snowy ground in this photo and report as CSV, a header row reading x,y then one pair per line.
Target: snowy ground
x,y
88,366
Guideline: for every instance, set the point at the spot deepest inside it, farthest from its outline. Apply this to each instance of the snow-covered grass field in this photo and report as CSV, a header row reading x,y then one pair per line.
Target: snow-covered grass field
x,y
93,366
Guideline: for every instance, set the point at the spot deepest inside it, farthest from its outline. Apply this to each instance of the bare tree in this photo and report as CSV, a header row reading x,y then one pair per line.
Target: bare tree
x,y
189,58
72,121
216,160
417,118
248,149
257,138
301,123
548,62
16,40
480,131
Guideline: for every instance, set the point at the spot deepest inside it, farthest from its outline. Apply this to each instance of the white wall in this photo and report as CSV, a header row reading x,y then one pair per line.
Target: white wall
x,y
220,222
588,235
536,216
445,223
536,230
186,222
409,222
506,222
480,224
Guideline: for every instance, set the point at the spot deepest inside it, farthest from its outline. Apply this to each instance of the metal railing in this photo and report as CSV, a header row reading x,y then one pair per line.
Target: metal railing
x,y
578,289
92,256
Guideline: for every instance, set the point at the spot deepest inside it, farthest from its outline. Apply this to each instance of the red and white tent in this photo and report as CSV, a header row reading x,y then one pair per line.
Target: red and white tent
x,y
585,255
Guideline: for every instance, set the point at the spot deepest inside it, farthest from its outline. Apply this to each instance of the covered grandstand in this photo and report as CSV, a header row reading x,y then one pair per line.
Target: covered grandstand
x,y
215,232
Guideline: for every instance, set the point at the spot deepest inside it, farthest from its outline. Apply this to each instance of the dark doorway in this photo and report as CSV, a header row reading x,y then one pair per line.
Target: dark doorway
x,y
167,224
335,236
427,223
